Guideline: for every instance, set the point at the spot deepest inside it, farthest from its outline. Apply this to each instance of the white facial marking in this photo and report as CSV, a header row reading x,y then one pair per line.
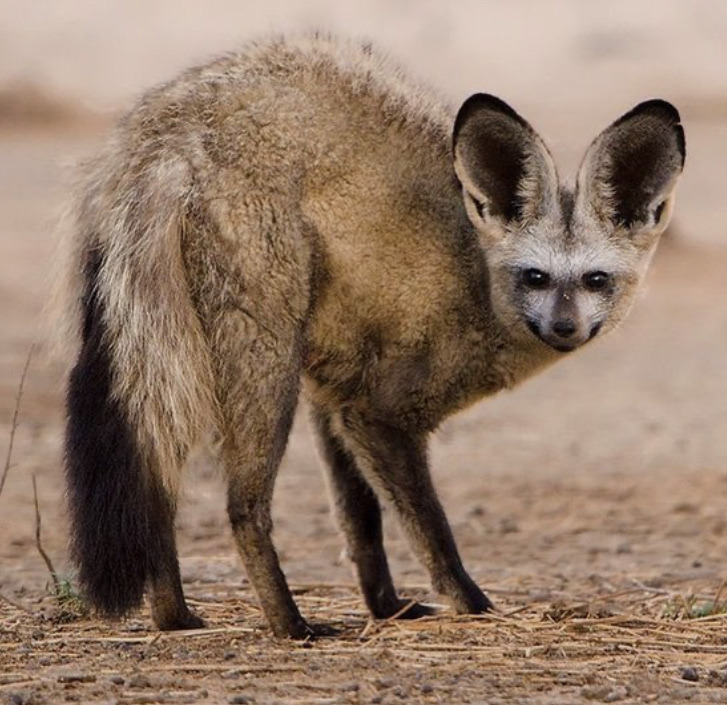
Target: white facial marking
x,y
564,264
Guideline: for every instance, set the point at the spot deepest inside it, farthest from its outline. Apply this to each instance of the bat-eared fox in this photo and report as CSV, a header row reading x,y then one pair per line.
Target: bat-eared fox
x,y
298,214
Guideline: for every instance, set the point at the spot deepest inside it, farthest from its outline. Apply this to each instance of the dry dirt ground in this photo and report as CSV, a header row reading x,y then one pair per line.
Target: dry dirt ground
x,y
590,504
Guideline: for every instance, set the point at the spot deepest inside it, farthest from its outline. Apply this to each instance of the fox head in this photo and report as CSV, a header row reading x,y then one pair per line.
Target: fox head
x,y
565,263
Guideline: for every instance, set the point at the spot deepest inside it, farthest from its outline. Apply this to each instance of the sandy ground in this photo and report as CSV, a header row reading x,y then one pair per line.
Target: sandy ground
x,y
590,503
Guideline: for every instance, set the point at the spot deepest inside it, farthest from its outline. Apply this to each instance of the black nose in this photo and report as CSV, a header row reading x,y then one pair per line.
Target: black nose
x,y
564,328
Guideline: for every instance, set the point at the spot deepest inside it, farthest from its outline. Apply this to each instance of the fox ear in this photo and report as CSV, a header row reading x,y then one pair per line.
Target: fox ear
x,y
630,171
506,171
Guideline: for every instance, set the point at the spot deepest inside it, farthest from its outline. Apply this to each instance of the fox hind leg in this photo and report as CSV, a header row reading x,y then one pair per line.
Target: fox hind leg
x,y
254,308
166,597
259,386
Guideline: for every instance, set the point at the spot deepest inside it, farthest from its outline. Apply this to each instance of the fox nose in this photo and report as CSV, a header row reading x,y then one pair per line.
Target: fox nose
x,y
564,328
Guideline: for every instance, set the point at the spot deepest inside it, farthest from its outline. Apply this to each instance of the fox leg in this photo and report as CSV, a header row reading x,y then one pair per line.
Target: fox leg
x,y
359,516
395,463
259,399
254,311
166,596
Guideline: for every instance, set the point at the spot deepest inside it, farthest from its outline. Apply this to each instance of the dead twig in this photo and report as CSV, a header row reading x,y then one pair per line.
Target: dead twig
x,y
14,424
215,667
18,684
16,604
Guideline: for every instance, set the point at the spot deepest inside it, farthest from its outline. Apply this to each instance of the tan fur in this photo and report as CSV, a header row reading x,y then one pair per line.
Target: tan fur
x,y
162,366
292,211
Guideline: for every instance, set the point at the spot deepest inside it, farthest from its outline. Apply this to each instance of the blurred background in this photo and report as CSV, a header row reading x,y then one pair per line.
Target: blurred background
x,y
641,414
570,65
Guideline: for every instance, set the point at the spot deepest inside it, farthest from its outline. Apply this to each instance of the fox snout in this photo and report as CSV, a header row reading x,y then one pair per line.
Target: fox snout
x,y
564,334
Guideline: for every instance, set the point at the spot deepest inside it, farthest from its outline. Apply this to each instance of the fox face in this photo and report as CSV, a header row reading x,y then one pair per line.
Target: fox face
x,y
565,263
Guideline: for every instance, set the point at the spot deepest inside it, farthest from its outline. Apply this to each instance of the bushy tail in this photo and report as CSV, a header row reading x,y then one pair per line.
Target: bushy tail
x,y
140,391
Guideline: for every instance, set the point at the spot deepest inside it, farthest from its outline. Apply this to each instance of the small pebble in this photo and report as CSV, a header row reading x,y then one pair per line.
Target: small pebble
x,y
117,680
134,627
229,654
509,526
139,681
685,508
689,673
427,688
240,700
604,693
716,677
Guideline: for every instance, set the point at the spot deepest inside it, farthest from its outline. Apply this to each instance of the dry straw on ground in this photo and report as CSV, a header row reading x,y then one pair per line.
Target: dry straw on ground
x,y
637,644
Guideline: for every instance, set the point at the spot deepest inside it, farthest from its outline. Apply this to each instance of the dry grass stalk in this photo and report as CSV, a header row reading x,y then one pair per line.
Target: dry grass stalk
x,y
520,644
14,423
9,457
16,604
214,667
39,545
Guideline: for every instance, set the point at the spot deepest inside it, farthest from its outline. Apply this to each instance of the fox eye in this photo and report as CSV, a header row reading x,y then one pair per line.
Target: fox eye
x,y
596,281
536,278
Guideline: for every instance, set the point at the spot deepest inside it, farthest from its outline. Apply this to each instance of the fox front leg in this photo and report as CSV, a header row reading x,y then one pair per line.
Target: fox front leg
x,y
359,516
395,463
